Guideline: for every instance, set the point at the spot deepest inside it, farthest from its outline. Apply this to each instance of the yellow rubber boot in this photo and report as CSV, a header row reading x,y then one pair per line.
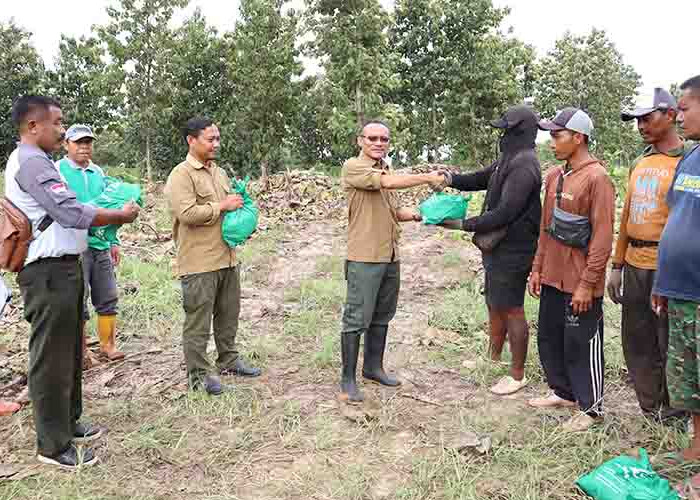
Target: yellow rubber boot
x,y
107,331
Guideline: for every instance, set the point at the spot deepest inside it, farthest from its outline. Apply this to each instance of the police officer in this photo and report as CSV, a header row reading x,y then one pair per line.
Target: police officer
x,y
51,281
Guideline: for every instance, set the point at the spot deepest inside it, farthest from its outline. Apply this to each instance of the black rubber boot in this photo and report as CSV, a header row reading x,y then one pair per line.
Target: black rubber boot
x,y
373,368
350,348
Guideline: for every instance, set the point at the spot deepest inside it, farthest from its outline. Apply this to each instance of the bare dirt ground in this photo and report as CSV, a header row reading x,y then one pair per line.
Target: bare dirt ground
x,y
285,435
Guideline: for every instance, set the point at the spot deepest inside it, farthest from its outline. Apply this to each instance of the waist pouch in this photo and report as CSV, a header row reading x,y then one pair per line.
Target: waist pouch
x,y
570,229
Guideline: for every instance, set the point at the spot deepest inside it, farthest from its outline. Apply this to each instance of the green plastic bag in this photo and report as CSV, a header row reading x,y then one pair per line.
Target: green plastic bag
x,y
626,478
238,225
115,195
443,206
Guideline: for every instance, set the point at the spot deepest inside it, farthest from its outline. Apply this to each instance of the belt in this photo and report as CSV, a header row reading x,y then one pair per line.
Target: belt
x,y
63,258
642,243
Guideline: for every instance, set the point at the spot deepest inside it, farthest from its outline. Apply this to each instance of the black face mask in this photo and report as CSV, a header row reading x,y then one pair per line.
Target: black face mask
x,y
521,131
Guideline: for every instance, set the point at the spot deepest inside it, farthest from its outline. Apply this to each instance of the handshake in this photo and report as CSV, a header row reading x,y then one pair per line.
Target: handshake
x,y
443,179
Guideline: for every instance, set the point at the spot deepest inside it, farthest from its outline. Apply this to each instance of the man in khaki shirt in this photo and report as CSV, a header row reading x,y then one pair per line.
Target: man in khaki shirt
x,y
372,268
198,192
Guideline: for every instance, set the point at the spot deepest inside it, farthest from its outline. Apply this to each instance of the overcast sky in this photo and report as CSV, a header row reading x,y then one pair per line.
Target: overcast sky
x,y
663,48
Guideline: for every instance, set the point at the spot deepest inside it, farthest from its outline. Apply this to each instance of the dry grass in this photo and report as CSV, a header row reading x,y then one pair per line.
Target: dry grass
x,y
284,436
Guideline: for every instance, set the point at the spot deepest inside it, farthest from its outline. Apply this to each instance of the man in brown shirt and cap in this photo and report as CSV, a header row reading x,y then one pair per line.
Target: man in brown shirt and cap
x,y
568,273
372,268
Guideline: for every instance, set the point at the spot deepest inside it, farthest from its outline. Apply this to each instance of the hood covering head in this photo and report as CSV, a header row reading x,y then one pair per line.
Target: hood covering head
x,y
519,125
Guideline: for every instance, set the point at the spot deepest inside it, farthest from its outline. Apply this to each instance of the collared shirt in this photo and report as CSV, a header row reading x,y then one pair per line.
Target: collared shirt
x,y
645,212
34,185
587,191
88,183
373,226
194,192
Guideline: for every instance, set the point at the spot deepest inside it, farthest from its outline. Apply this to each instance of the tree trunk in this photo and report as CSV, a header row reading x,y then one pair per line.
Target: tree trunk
x,y
149,172
435,147
359,111
263,175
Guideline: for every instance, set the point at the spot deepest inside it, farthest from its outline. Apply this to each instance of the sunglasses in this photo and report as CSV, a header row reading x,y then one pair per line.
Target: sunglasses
x,y
376,138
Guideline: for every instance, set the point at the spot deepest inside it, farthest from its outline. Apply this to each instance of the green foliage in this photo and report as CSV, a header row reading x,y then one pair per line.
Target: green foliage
x,y
139,41
22,73
436,70
265,71
350,39
456,73
81,80
588,72
201,86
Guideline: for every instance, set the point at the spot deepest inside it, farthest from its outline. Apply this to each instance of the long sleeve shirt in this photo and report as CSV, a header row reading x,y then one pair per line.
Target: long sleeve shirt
x,y
516,206
194,192
373,226
589,192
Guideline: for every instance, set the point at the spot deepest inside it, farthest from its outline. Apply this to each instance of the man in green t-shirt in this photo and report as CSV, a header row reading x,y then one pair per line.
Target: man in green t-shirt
x,y
102,255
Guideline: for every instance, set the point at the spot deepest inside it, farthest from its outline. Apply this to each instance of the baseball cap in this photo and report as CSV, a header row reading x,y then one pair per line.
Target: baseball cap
x,y
660,100
513,116
572,119
78,131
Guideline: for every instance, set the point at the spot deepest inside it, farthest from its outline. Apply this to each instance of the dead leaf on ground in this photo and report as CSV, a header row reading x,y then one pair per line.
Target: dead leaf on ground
x,y
369,410
467,442
17,472
439,338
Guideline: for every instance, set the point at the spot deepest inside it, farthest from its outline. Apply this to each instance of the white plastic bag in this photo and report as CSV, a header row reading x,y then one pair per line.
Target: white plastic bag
x,y
5,296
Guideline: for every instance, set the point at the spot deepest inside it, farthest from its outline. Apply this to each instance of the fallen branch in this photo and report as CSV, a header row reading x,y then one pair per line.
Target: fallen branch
x,y
124,359
149,226
422,400
19,381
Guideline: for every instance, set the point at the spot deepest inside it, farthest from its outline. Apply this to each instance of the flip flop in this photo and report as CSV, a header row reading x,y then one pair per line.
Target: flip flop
x,y
8,408
508,385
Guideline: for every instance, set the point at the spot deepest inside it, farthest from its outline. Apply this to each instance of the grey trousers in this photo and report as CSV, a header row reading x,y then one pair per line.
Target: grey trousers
x,y
100,283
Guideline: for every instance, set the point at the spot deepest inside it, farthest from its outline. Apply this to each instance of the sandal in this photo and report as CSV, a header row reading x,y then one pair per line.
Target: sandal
x,y
8,408
690,488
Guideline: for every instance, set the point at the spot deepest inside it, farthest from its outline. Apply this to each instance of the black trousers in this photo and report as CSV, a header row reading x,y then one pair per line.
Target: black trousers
x,y
571,349
52,290
644,341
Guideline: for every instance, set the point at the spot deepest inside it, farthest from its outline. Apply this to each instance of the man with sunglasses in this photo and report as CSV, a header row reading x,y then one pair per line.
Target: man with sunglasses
x,y
372,268
644,334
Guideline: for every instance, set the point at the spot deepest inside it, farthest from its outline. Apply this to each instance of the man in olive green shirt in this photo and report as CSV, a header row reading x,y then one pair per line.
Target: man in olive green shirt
x,y
372,268
199,195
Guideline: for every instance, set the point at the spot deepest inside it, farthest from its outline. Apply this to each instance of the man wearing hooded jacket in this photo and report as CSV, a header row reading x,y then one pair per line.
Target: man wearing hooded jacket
x,y
512,185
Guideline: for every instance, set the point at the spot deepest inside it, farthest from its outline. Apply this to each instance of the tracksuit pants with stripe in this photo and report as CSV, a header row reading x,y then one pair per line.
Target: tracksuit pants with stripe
x,y
571,349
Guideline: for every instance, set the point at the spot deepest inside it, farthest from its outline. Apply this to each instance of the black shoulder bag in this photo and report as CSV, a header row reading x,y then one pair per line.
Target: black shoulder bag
x,y
570,229
487,242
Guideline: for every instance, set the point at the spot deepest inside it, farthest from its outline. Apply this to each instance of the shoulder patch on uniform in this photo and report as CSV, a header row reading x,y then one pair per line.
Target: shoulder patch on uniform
x,y
58,188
